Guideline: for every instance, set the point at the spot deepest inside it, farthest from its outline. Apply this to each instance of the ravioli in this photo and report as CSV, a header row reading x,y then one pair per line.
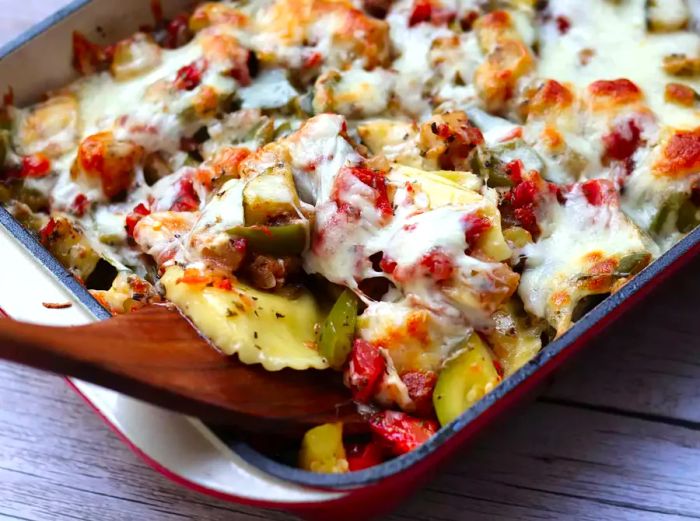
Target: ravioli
x,y
272,330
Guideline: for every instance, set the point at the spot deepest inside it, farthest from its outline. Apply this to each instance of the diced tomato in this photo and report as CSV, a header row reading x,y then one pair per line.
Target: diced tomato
x,y
88,57
223,283
177,32
515,170
399,432
240,244
138,213
422,12
420,385
241,71
475,227
375,179
563,24
520,202
438,264
47,230
387,265
468,19
80,204
365,370
190,76
35,165
524,194
194,276
186,199
363,456
527,219
598,191
442,16
623,141
516,133
313,60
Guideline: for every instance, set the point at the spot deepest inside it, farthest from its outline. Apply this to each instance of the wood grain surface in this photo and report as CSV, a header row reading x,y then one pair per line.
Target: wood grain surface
x,y
617,436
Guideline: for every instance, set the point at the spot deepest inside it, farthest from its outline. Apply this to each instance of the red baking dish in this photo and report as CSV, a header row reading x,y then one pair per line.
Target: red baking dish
x,y
196,457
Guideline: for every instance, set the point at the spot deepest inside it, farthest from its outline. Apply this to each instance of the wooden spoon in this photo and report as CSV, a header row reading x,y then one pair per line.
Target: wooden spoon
x,y
155,354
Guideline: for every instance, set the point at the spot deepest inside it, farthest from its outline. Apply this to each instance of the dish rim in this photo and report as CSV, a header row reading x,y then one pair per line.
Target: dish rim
x,y
590,324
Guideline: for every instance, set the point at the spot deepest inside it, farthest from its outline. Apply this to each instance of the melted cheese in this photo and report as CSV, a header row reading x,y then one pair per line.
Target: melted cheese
x,y
578,236
103,99
621,47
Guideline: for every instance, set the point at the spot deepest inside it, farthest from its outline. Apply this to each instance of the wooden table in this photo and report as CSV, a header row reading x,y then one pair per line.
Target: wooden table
x,y
617,437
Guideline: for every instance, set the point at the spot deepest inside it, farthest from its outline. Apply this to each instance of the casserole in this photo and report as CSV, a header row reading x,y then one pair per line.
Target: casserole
x,y
502,396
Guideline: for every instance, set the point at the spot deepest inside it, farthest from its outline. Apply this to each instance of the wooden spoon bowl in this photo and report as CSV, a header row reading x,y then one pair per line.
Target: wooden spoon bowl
x,y
156,355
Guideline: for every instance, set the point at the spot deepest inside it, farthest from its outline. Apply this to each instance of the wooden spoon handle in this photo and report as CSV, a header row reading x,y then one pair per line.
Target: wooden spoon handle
x,y
154,354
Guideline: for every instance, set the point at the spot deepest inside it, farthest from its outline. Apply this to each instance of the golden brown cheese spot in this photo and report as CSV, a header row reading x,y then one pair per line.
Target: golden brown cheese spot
x,y
355,35
112,162
550,98
553,139
225,49
497,76
680,155
606,94
680,94
494,27
362,36
409,343
227,160
681,65
560,299
214,13
593,257
598,275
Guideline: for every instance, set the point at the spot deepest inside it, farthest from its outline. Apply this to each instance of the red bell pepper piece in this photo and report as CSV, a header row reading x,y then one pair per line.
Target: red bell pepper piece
x,y
364,456
138,213
399,432
420,385
365,370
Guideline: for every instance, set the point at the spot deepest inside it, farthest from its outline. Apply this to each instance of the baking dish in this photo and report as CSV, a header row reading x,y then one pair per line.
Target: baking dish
x,y
99,19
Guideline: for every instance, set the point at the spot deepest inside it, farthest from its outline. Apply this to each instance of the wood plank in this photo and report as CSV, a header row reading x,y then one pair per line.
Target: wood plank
x,y
649,362
59,461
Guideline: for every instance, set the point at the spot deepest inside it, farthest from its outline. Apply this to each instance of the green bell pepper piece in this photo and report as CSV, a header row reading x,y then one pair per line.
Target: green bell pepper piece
x,y
338,330
284,239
